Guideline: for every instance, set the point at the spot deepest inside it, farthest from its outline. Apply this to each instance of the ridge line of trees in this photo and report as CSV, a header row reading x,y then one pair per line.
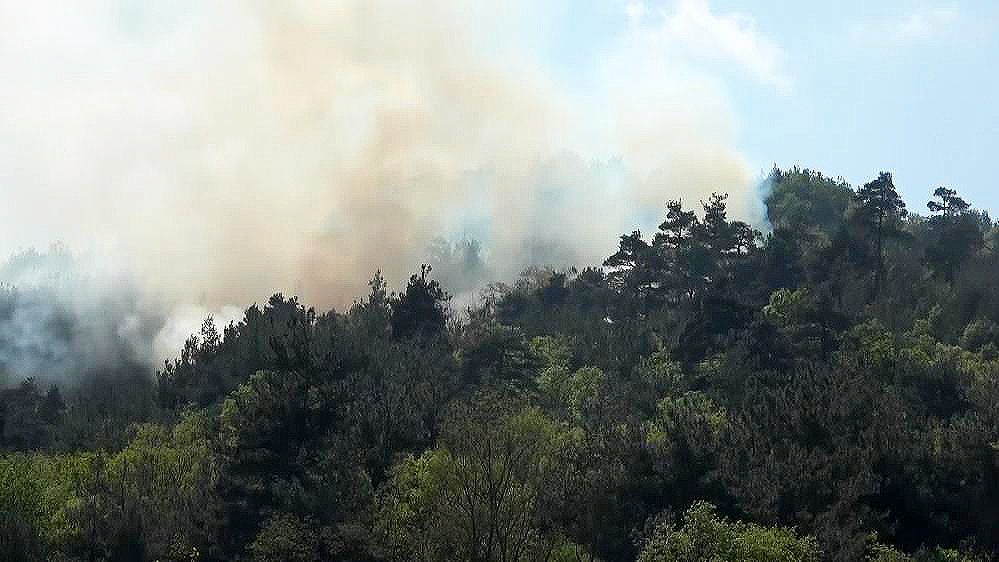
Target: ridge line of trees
x,y
823,392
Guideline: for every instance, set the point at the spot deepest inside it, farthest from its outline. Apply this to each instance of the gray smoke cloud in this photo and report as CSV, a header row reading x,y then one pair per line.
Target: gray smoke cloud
x,y
215,152
62,319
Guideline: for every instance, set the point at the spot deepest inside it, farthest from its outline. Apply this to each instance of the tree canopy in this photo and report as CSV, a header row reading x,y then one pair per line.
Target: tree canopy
x,y
825,391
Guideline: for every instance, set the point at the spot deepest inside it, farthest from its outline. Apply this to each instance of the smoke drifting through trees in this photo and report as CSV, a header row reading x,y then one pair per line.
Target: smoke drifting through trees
x,y
216,152
61,320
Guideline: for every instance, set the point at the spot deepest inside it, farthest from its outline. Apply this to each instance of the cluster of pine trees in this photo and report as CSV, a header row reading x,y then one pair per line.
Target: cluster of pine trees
x,y
828,391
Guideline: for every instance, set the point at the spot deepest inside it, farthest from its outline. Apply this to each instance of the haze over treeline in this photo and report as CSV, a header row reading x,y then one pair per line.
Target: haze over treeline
x,y
300,147
824,391
381,280
196,157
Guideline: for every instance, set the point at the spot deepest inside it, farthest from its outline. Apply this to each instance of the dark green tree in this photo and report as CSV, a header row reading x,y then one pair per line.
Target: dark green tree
x,y
882,208
955,233
422,309
634,267
807,203
681,259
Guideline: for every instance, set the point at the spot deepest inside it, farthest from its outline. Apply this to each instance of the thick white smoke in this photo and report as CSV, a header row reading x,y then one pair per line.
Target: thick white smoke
x,y
219,151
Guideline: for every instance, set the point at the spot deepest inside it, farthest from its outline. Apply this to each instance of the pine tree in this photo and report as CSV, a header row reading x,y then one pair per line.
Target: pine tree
x,y
881,205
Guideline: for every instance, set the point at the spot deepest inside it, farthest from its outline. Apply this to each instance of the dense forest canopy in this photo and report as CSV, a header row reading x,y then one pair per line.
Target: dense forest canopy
x,y
824,390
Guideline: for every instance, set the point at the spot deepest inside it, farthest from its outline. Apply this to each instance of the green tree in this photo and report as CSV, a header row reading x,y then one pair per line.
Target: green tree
x,y
286,538
679,256
704,536
278,454
476,497
421,309
634,267
954,235
805,202
882,208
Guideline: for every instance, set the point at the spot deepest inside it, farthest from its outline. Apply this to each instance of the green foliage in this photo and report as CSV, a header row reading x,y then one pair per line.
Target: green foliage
x,y
879,200
881,209
882,553
46,494
277,456
687,258
706,536
150,497
980,334
477,497
285,538
421,309
831,383
954,233
494,354
166,475
807,203
803,319
282,335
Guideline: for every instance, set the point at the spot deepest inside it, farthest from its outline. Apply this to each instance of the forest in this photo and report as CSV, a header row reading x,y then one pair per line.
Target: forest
x,y
827,390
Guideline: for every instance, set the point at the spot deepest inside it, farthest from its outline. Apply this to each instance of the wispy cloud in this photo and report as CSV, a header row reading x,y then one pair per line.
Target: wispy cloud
x,y
916,27
690,28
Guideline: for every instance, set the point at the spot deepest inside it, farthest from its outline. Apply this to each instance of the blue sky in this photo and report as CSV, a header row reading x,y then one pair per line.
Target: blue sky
x,y
910,87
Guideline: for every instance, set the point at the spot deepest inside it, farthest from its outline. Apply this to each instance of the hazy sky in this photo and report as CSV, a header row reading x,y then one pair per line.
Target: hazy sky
x,y
213,152
224,149
847,87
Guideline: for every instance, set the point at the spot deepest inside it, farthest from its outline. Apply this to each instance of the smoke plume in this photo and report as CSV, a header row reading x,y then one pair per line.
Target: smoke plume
x,y
215,152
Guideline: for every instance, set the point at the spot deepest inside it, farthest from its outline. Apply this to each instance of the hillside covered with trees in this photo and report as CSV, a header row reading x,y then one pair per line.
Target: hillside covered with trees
x,y
828,390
